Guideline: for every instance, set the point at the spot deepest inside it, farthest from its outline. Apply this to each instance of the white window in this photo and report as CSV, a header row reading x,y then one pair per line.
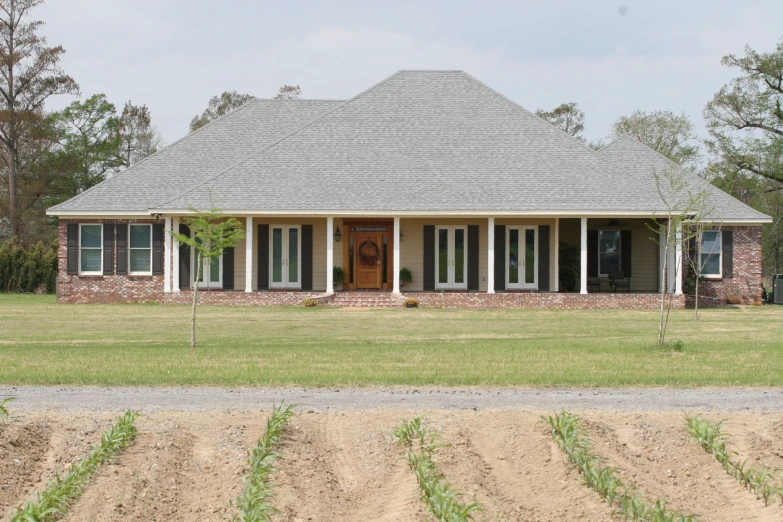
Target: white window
x,y
608,252
710,250
140,251
90,249
285,246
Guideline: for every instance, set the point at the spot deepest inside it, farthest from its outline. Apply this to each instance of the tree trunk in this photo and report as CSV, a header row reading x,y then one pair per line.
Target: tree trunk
x,y
13,217
696,300
664,284
197,277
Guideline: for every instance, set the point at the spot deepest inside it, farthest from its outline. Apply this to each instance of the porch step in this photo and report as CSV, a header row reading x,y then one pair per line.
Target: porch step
x,y
364,300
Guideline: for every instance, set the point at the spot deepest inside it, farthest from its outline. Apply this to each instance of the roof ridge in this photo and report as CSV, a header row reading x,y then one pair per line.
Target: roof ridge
x,y
191,189
527,111
166,147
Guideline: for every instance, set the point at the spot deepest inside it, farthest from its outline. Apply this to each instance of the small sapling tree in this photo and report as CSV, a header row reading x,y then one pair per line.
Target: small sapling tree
x,y
684,212
211,233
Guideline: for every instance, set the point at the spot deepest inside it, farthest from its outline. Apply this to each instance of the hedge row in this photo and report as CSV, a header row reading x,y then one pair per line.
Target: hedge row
x,y
28,269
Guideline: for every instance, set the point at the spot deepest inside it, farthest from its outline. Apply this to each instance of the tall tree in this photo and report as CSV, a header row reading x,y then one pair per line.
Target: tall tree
x,y
745,118
664,131
289,92
138,136
30,75
91,141
219,106
567,117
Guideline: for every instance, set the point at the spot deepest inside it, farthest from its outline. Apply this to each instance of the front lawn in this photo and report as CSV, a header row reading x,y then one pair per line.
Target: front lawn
x,y
42,342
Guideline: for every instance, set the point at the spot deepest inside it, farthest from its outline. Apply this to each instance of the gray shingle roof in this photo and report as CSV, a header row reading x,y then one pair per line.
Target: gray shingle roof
x,y
631,156
199,156
418,141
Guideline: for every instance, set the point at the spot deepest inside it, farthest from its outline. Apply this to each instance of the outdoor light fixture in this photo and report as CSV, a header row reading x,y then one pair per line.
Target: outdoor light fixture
x,y
338,235
156,215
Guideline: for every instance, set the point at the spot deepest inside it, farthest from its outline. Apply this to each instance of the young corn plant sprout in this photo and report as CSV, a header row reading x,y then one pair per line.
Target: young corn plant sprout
x,y
765,483
440,497
254,503
567,432
61,492
3,409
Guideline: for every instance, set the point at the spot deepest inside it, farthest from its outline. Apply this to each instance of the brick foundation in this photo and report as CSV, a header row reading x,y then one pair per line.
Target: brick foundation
x,y
562,301
234,298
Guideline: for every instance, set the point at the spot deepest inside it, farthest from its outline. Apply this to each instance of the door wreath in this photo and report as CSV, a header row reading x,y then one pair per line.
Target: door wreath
x,y
369,254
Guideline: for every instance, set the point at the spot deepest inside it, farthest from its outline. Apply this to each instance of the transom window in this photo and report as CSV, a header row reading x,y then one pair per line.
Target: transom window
x,y
140,250
608,251
90,248
710,259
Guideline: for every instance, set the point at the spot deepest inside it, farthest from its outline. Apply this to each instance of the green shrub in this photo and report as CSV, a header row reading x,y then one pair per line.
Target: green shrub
x,y
405,275
338,276
28,269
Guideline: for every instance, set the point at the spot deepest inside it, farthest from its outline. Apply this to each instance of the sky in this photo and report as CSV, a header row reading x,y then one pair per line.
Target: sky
x,y
610,57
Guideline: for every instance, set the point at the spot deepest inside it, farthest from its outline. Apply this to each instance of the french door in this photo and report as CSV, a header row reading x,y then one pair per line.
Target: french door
x,y
451,252
285,246
522,257
211,275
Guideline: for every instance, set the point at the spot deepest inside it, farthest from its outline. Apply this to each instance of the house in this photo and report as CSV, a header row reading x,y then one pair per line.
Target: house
x,y
428,170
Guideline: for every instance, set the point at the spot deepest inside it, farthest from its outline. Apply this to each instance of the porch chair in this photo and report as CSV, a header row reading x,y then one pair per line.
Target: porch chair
x,y
593,284
618,281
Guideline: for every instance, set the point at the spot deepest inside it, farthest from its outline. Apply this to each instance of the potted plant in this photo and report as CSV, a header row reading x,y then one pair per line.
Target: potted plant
x,y
568,278
405,276
338,277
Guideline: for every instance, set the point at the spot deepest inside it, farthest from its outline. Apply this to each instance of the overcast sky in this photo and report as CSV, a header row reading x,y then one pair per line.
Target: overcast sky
x,y
610,57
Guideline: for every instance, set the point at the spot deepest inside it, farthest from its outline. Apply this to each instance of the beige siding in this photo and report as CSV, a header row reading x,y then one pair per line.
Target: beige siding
x,y
644,250
319,251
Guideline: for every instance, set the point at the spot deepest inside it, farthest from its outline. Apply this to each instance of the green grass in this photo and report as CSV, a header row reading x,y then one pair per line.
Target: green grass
x,y
45,343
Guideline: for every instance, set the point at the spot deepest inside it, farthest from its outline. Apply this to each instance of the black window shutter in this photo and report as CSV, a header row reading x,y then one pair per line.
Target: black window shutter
x,y
73,248
473,257
728,253
184,260
108,249
307,257
157,249
122,249
625,252
500,258
543,258
429,258
592,253
228,268
263,257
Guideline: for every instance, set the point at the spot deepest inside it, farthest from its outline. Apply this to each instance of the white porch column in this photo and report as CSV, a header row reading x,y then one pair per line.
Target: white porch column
x,y
557,255
662,278
248,254
167,255
678,260
175,257
330,255
396,265
491,255
583,270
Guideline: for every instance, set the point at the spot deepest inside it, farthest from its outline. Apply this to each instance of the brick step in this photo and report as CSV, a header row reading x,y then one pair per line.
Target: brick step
x,y
364,300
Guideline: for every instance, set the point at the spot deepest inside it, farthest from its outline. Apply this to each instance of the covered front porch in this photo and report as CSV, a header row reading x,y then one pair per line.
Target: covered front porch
x,y
535,262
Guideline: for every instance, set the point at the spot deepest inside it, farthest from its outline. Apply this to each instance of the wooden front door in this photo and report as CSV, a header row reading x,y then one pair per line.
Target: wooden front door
x,y
369,265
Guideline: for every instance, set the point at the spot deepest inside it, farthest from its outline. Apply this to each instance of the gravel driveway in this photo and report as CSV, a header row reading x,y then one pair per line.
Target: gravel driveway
x,y
330,399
